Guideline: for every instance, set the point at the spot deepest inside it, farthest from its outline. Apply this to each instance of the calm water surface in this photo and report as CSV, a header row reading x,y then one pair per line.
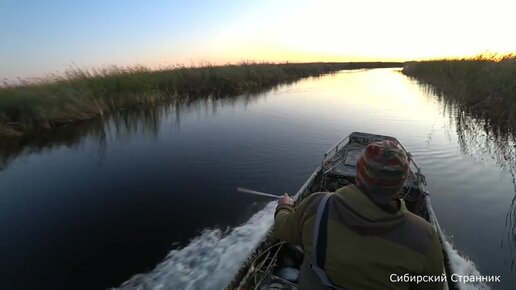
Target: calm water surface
x,y
91,205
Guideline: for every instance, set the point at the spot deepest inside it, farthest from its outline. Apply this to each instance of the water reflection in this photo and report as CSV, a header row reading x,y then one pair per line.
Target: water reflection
x,y
69,136
119,124
481,138
478,139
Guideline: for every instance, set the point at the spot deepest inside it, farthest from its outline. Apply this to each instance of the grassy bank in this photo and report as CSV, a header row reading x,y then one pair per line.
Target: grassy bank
x,y
484,87
79,95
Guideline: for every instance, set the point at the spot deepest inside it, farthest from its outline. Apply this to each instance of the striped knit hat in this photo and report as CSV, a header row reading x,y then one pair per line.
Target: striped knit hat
x,y
381,170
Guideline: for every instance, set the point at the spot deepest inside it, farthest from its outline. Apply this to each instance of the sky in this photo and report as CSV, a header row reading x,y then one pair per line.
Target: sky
x,y
39,38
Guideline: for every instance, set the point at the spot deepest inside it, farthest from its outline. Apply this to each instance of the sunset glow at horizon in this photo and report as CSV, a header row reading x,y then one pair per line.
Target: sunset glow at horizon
x,y
43,38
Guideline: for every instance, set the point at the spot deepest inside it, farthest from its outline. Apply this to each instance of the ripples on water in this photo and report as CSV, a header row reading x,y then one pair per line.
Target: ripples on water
x,y
480,140
116,195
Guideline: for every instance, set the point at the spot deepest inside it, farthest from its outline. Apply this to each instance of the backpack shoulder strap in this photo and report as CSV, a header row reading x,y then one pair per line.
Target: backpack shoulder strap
x,y
320,242
320,232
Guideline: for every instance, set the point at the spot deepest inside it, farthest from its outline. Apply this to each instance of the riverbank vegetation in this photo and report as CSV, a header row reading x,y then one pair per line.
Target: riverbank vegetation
x,y
30,106
483,87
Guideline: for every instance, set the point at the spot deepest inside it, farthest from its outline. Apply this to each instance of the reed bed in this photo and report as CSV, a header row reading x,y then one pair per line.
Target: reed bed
x,y
28,106
482,86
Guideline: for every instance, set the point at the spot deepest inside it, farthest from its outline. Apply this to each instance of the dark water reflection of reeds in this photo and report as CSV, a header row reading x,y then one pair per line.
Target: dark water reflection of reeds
x,y
481,138
477,139
118,124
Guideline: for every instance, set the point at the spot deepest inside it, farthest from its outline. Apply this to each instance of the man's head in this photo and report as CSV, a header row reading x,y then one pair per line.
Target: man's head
x,y
381,170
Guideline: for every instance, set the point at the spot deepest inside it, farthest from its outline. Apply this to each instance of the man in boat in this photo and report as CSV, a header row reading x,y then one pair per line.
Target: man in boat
x,y
361,235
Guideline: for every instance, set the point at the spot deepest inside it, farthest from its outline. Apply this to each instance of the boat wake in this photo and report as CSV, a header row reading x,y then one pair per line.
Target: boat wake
x,y
213,258
464,267
209,261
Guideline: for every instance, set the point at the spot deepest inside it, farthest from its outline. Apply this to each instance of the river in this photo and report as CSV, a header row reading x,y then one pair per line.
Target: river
x,y
91,205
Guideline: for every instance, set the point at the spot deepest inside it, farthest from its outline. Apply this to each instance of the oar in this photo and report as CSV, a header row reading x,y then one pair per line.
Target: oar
x,y
241,189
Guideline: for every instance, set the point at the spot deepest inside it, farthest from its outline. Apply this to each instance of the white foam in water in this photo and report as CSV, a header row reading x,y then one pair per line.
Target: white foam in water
x,y
463,267
212,259
209,261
